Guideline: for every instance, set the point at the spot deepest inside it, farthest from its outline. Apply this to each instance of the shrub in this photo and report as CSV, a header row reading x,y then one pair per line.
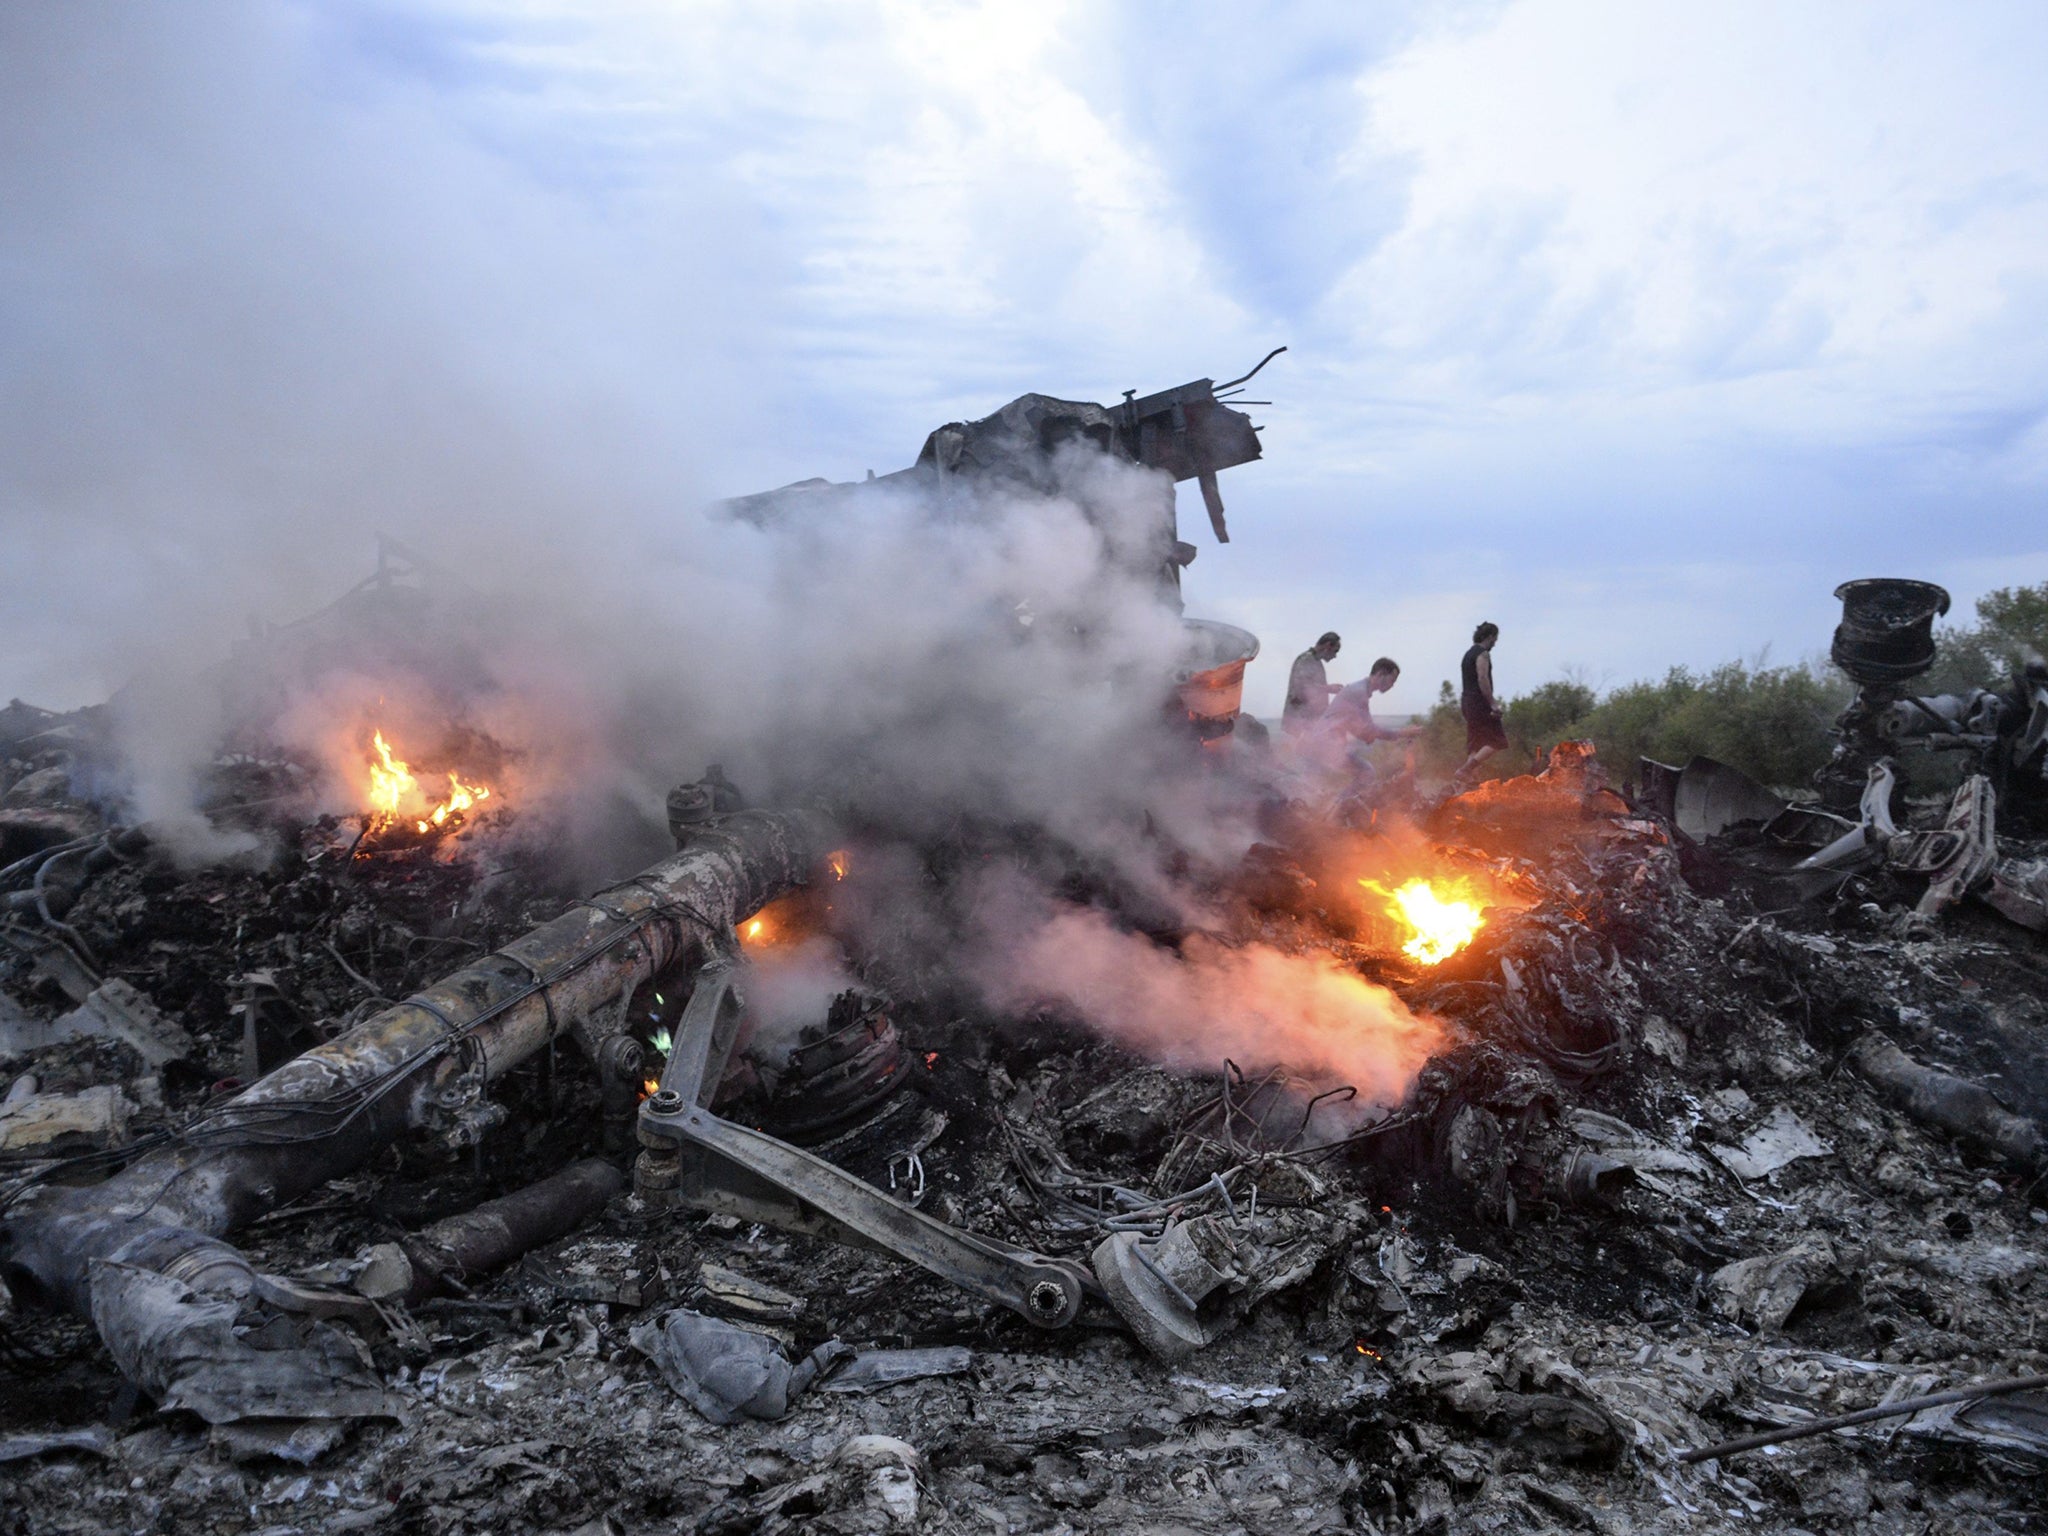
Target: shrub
x,y
1771,722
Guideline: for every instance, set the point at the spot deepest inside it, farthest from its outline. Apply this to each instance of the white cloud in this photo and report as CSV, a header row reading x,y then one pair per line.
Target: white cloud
x,y
1657,196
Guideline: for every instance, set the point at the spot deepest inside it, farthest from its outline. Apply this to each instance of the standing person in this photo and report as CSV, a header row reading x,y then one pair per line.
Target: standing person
x,y
1484,734
1309,686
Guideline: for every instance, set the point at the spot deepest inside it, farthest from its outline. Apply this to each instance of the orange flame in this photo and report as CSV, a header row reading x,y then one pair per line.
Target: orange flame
x,y
787,920
461,797
836,861
394,788
1439,922
390,780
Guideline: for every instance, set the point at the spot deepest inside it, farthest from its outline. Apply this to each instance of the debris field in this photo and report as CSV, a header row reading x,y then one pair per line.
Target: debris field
x,y
1648,1196
1496,1161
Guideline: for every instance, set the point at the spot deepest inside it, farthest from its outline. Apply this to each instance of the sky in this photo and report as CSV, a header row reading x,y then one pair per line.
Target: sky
x,y
1634,328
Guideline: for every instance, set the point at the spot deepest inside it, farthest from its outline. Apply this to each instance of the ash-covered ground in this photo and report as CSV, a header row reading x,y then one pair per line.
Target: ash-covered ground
x,y
1639,1200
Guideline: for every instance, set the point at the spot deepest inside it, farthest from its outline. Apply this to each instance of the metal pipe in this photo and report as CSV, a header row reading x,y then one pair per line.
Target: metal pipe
x,y
424,1062
492,1235
1949,1103
1904,1407
621,1069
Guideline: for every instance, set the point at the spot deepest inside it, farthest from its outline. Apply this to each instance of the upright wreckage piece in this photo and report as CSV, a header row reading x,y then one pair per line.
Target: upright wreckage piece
x,y
1189,432
422,1064
1885,641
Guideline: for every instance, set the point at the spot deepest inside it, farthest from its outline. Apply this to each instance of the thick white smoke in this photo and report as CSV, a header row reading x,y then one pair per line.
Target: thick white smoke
x,y
282,303
1255,1005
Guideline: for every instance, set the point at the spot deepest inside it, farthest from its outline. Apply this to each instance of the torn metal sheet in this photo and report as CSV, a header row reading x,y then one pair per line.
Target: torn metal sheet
x,y
1807,826
2017,1422
727,1290
115,1010
1710,797
1764,1291
1957,855
870,1483
2018,890
1528,1392
94,1440
39,1121
54,961
183,1346
1780,1141
1635,1149
1862,847
20,1030
873,1369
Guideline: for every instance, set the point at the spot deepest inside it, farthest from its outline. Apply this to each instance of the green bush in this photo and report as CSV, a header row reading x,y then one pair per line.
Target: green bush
x,y
1535,722
1771,722
1551,714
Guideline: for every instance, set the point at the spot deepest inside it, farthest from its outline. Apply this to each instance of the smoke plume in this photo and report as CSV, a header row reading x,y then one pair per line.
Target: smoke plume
x,y
286,304
1256,1005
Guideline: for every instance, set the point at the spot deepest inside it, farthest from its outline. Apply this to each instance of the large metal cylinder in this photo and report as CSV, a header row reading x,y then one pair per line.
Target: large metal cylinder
x,y
1887,629
428,1058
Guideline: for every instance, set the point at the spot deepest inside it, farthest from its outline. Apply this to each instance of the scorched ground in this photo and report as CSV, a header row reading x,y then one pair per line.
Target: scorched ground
x,y
1637,1201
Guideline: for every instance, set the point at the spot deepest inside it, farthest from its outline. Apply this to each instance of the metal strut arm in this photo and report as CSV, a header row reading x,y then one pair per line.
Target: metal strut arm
x,y
693,1158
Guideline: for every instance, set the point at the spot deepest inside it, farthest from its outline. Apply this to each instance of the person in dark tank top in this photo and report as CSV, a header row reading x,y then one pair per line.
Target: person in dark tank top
x,y
1484,733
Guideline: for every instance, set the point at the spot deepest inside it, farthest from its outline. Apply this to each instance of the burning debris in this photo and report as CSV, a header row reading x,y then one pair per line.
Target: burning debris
x,y
1439,925
930,1146
397,799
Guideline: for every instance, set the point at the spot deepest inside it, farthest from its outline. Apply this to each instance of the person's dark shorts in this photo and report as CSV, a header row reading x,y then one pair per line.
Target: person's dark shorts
x,y
1482,727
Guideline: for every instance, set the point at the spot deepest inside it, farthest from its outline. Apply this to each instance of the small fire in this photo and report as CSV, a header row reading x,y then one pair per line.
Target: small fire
x,y
649,1087
395,791
1439,925
461,797
785,921
390,780
836,862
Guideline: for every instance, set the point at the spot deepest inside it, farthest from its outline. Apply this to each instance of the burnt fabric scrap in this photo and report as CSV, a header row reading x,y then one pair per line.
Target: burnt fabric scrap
x,y
727,1372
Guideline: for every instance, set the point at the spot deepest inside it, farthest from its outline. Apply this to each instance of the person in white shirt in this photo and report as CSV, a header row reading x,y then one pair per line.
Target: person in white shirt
x,y
1350,712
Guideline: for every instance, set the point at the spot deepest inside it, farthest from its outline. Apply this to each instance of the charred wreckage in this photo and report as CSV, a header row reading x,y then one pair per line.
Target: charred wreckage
x,y
1710,1198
